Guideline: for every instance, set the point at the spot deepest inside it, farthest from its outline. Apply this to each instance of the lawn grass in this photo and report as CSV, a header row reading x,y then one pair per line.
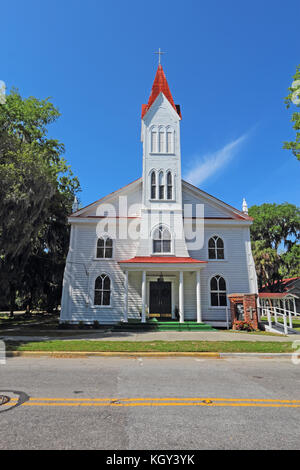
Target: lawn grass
x,y
20,320
296,321
153,346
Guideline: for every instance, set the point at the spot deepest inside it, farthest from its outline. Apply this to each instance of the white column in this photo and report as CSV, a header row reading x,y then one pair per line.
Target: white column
x,y
126,298
198,297
144,297
181,302
294,304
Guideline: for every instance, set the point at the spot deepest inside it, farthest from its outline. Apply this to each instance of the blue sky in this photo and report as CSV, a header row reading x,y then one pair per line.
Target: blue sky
x,y
228,64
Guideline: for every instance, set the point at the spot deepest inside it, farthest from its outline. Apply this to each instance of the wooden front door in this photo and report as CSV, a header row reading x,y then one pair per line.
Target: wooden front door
x,y
160,299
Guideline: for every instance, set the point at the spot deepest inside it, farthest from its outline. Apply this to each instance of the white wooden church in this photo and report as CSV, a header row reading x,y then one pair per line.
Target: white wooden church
x,y
137,253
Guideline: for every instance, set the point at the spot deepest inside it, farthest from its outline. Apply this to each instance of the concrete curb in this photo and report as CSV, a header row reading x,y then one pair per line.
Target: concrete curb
x,y
86,354
261,355
75,354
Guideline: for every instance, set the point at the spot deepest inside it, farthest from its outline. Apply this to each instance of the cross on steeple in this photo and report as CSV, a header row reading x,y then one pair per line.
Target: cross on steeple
x,y
159,54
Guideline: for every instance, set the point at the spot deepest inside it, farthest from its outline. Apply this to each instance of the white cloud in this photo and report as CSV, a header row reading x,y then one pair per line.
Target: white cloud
x,y
206,165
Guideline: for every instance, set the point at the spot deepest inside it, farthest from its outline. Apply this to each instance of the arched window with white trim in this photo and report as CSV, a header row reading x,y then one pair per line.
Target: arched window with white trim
x,y
161,240
215,248
161,186
169,186
218,293
104,247
153,184
102,292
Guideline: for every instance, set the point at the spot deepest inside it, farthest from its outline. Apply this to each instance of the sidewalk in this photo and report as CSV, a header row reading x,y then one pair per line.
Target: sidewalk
x,y
158,336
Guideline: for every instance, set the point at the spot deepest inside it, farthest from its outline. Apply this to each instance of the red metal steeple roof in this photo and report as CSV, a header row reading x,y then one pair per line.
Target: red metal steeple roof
x,y
160,85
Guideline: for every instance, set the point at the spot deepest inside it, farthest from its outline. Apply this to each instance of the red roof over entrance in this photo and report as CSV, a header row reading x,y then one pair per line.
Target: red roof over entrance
x,y
162,259
160,85
274,295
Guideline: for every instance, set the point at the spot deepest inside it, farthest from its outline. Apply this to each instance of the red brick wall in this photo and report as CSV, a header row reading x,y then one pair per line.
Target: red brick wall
x,y
249,302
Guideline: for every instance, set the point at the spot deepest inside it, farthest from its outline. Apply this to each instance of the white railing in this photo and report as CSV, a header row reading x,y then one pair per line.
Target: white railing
x,y
278,312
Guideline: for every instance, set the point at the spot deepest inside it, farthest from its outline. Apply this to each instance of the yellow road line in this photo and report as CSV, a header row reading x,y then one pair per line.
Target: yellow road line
x,y
119,399
155,401
155,404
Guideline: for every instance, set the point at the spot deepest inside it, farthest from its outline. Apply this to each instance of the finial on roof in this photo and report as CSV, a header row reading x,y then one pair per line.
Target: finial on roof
x,y
75,205
159,54
245,206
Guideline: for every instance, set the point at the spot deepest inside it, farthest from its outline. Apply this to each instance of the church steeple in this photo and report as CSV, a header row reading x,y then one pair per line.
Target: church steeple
x,y
160,135
162,189
160,85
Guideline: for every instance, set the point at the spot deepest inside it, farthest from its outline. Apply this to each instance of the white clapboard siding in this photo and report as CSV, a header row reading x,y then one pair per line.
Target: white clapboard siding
x,y
82,269
189,289
134,295
234,268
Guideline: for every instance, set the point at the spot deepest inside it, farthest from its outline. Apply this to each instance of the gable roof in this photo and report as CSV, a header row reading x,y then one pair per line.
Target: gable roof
x,y
160,85
235,213
103,199
276,295
238,214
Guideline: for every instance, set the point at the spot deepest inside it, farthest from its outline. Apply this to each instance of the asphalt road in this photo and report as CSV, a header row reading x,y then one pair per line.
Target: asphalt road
x,y
176,403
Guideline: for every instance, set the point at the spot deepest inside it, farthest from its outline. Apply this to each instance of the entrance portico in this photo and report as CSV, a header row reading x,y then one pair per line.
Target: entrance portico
x,y
163,284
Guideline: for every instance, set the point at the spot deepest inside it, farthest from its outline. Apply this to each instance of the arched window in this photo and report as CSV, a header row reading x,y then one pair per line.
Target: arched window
x,y
104,247
153,185
218,296
215,248
169,186
154,141
102,290
161,240
161,186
